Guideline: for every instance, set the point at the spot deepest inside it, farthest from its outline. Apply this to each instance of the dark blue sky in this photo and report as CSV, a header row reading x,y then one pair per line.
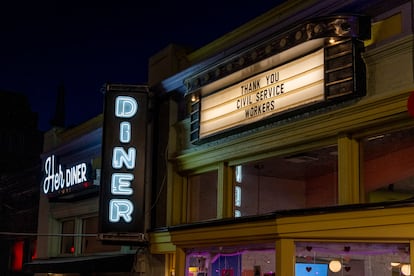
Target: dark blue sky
x,y
84,45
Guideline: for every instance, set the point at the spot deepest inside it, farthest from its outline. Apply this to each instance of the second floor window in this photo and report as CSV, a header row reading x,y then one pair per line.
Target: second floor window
x,y
298,181
202,196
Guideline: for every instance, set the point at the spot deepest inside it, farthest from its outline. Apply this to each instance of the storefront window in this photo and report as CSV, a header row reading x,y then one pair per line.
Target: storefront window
x,y
232,261
312,258
298,181
202,196
352,258
68,239
388,162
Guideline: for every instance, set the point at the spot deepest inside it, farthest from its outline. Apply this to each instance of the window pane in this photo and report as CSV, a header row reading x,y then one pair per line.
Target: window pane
x,y
389,166
68,240
257,259
312,258
91,244
351,258
292,182
202,196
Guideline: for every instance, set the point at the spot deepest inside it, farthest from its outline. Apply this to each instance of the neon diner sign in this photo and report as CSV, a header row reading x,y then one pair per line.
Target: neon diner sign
x,y
122,208
122,193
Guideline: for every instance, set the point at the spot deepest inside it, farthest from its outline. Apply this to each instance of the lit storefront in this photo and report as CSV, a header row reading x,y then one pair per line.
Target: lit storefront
x,y
294,157
67,241
284,148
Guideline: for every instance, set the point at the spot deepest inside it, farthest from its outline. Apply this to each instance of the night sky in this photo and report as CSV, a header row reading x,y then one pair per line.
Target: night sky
x,y
84,45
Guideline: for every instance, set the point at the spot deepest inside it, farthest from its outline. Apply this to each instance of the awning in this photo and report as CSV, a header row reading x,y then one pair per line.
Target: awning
x,y
96,263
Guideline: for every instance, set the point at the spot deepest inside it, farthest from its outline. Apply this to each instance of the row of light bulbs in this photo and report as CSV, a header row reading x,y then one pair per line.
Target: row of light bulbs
x,y
405,268
336,266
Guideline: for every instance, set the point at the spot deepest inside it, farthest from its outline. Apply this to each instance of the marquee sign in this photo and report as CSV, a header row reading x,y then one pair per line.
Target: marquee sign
x,y
297,83
62,179
308,67
123,159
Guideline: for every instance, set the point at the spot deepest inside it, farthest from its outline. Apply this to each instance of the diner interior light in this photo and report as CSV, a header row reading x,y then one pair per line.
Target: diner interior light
x,y
335,266
406,269
193,269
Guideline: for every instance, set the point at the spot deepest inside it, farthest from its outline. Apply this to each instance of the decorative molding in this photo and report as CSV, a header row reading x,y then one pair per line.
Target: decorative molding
x,y
335,26
87,207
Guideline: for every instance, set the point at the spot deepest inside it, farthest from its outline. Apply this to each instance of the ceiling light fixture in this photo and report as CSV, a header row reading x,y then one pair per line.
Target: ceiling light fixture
x,y
335,266
406,269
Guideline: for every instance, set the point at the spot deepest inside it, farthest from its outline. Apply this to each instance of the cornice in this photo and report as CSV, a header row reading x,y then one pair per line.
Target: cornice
x,y
395,47
271,23
341,26
353,223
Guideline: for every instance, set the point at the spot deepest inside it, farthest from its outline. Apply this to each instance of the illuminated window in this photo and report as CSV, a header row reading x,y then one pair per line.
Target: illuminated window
x,y
351,258
388,162
17,255
257,259
68,239
202,196
299,181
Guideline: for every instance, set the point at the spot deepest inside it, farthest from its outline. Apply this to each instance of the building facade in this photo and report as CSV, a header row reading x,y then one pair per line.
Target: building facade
x,y
67,240
282,148
20,146
287,145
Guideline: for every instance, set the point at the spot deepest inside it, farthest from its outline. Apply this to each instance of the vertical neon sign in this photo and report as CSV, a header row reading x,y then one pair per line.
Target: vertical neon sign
x,y
123,159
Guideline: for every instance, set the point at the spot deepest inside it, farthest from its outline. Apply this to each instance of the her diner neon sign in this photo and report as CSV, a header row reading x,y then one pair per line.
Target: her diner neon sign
x,y
59,179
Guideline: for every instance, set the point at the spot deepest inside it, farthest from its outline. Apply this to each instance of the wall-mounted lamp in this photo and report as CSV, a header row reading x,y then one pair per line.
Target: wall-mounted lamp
x,y
194,98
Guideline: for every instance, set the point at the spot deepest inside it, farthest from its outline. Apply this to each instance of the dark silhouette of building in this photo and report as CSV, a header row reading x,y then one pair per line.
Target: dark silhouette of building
x,y
20,148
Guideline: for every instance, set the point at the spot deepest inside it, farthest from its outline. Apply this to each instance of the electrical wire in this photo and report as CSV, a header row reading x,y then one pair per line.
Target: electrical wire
x,y
13,234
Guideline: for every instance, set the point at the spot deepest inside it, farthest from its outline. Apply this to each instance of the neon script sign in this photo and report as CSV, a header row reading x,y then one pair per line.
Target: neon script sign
x,y
122,208
60,179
